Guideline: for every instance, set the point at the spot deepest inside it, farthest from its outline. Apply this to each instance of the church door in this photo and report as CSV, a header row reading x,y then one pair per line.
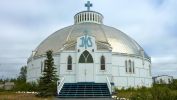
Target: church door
x,y
85,67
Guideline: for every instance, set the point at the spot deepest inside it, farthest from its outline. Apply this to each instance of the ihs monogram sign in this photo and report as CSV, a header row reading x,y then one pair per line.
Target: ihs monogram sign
x,y
86,41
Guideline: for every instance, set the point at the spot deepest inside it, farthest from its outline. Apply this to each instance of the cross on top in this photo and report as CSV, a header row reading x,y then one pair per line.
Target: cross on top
x,y
88,5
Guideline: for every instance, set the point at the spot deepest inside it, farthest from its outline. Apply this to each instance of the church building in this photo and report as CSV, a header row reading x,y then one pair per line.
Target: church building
x,y
91,53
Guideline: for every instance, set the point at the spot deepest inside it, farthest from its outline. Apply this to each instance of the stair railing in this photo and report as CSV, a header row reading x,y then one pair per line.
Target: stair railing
x,y
109,84
60,84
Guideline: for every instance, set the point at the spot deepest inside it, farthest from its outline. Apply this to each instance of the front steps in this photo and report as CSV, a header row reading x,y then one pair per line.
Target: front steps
x,y
84,90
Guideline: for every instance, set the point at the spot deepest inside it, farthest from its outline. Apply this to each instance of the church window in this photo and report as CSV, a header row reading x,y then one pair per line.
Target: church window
x,y
86,57
133,67
79,18
93,17
126,68
82,17
90,16
85,16
129,66
42,66
149,69
69,66
102,60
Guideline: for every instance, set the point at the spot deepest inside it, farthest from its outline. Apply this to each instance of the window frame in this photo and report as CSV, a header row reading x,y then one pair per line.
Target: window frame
x,y
102,63
126,67
86,57
129,66
69,63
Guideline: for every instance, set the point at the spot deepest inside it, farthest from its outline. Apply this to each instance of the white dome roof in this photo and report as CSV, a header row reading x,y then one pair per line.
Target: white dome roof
x,y
106,38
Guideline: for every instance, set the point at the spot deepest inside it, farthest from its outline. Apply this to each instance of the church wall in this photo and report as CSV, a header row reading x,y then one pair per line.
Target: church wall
x,y
142,70
131,81
148,82
100,75
57,63
120,82
115,69
121,78
107,56
139,82
69,75
34,69
36,66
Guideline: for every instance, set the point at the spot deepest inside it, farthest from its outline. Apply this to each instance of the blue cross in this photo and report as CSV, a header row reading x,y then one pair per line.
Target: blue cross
x,y
88,5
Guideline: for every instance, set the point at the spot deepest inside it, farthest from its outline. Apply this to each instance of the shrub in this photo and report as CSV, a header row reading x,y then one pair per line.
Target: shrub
x,y
157,92
162,93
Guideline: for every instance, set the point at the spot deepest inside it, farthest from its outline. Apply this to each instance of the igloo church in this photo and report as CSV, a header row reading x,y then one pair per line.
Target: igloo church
x,y
91,58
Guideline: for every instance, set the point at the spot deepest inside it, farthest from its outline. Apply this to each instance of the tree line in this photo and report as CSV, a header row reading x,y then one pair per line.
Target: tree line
x,y
46,85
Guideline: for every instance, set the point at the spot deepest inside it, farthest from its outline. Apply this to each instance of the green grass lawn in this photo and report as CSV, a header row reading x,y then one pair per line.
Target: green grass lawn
x,y
157,92
20,96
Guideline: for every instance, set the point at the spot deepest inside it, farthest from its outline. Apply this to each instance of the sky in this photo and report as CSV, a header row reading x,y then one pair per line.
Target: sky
x,y
24,24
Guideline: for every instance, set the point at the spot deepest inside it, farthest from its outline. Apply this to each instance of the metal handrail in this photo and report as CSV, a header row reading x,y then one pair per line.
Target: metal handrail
x,y
60,84
109,85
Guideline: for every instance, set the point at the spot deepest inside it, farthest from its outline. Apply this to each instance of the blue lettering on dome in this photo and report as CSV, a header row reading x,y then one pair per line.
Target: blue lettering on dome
x,y
85,42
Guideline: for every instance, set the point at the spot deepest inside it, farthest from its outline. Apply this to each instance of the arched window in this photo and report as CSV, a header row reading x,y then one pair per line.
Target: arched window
x,y
85,17
42,66
149,70
79,18
69,66
93,17
86,57
129,66
133,67
90,16
126,68
82,17
102,60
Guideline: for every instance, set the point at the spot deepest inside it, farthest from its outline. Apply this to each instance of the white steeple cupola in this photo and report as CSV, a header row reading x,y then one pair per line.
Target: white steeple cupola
x,y
88,16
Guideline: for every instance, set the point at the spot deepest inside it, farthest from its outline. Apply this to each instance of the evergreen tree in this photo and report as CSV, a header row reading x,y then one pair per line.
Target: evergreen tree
x,y
48,81
23,72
